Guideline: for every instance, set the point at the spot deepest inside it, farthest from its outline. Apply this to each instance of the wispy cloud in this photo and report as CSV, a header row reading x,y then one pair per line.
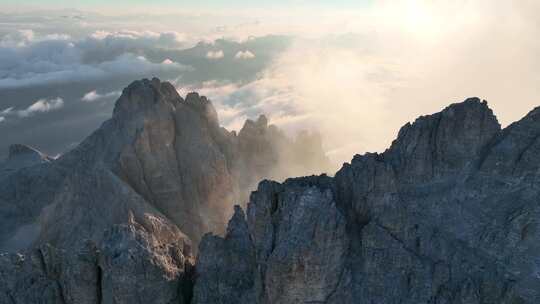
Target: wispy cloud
x,y
215,54
244,55
7,111
42,106
94,96
27,59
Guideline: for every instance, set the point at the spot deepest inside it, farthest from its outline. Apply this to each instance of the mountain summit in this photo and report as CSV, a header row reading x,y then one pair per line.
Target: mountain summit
x,y
448,214
129,205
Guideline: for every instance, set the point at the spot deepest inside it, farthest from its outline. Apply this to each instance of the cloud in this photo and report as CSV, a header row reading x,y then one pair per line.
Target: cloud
x,y
244,55
94,96
356,77
358,89
2,118
27,59
215,54
7,111
81,70
42,106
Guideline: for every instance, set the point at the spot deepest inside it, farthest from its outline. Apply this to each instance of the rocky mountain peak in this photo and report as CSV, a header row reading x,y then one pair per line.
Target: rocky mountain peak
x,y
141,95
142,188
442,143
448,214
254,128
203,106
22,156
19,150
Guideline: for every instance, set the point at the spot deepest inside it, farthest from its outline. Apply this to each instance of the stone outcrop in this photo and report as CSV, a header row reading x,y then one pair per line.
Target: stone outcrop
x,y
448,214
131,265
141,190
159,153
20,157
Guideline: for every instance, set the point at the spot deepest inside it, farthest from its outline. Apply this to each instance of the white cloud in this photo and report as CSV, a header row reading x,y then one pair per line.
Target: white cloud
x,y
358,90
94,96
27,59
7,111
244,55
42,106
133,38
2,118
215,54
400,59
34,72
24,37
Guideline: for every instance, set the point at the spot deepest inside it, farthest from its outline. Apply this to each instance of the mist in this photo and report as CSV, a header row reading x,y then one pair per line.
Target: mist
x,y
355,76
395,63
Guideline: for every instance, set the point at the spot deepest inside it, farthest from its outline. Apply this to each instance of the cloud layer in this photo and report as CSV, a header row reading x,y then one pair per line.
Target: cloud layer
x,y
40,106
29,60
359,88
356,76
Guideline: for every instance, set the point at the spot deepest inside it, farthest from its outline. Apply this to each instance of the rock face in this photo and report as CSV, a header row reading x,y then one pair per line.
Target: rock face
x,y
21,156
448,214
115,219
131,265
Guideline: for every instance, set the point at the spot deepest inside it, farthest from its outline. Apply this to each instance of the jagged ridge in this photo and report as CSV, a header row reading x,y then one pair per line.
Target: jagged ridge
x,y
448,214
142,189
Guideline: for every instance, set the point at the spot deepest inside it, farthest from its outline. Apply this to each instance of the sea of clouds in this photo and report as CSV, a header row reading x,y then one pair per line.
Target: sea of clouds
x,y
356,77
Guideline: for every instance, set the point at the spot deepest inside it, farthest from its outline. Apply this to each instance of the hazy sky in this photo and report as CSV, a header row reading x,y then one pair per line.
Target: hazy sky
x,y
157,5
354,70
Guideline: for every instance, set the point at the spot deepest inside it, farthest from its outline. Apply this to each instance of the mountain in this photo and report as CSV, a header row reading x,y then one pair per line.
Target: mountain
x,y
21,156
448,214
117,219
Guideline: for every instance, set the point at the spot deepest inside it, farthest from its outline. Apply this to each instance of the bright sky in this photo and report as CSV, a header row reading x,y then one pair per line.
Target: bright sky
x,y
164,5
354,70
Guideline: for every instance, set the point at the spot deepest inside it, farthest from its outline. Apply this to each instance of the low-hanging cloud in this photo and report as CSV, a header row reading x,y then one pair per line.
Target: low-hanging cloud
x,y
28,60
356,77
95,96
244,55
215,54
40,106
358,89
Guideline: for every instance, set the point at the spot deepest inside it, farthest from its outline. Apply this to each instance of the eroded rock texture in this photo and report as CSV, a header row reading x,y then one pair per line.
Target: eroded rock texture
x,y
142,189
448,214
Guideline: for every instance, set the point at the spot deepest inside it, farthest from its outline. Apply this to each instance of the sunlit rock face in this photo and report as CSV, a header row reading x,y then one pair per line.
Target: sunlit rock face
x,y
448,214
129,205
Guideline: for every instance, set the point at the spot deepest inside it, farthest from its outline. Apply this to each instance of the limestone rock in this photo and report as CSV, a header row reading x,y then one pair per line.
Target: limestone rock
x,y
231,260
448,214
143,189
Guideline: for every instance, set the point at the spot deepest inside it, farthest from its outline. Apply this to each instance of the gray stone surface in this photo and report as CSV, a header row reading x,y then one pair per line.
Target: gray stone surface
x,y
142,189
448,214
131,265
